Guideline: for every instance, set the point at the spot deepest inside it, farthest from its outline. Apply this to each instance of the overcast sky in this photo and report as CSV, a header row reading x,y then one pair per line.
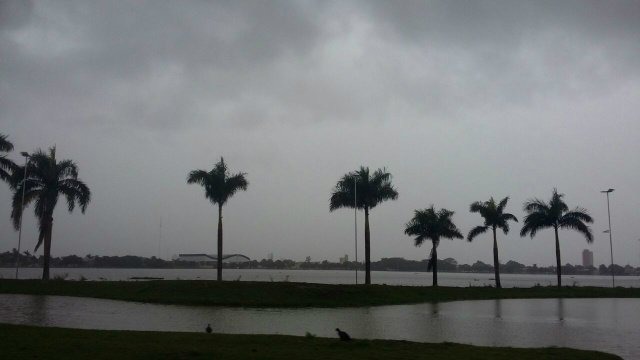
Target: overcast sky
x,y
459,100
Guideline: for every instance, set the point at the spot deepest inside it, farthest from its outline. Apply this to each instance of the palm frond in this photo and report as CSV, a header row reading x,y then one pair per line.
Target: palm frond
x,y
535,222
431,224
343,194
535,205
368,189
579,226
578,213
476,231
219,186
31,193
502,204
477,207
41,232
7,169
67,169
5,144
199,177
505,227
75,190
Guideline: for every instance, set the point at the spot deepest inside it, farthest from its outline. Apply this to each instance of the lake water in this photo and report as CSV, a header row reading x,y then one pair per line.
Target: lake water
x,y
610,325
328,276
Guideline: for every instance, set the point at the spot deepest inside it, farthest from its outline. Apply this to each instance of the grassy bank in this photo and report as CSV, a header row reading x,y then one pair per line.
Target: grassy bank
x,y
26,342
284,294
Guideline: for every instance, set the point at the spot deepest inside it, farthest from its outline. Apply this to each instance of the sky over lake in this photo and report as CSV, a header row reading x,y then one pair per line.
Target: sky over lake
x,y
460,101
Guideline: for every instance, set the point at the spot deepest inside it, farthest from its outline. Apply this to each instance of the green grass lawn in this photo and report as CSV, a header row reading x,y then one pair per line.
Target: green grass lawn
x,y
28,342
285,294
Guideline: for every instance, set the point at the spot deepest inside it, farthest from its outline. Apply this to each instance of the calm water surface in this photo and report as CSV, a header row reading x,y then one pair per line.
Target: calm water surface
x,y
329,277
611,325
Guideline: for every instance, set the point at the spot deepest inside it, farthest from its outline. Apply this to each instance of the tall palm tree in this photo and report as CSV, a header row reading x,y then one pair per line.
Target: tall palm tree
x,y
219,186
7,167
47,179
494,218
555,214
429,224
368,190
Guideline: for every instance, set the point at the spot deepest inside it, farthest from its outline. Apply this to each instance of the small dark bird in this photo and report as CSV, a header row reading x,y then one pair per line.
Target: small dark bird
x,y
343,335
208,329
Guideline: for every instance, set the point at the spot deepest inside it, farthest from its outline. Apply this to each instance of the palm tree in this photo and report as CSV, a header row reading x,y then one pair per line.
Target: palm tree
x,y
494,218
555,214
368,190
219,186
47,179
7,167
432,225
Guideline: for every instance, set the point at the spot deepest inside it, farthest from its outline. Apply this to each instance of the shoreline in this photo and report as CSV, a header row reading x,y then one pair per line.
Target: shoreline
x,y
291,294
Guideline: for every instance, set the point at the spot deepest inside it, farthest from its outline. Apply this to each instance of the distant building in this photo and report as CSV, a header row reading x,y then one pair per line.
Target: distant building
x,y
344,259
212,259
587,258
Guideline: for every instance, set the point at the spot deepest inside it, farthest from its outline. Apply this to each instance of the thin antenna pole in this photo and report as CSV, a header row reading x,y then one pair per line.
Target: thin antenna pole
x,y
160,239
355,220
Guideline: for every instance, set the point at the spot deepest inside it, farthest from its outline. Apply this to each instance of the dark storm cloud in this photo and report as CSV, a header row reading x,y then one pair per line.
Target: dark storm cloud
x,y
154,60
460,100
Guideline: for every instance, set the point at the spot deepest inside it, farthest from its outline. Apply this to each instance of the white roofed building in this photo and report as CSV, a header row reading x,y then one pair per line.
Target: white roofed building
x,y
211,259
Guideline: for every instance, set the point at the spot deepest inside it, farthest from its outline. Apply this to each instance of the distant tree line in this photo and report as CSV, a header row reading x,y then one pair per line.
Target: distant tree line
x,y
7,259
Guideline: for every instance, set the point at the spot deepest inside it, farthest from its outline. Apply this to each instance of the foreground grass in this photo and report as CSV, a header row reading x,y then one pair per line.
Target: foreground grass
x,y
22,342
284,294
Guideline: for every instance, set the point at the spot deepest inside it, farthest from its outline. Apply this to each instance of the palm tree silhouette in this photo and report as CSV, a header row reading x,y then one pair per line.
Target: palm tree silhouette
x,y
47,179
371,189
494,218
555,214
7,167
219,186
429,224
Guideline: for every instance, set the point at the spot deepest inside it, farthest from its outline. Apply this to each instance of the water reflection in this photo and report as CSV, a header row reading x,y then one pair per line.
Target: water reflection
x,y
37,310
323,276
611,325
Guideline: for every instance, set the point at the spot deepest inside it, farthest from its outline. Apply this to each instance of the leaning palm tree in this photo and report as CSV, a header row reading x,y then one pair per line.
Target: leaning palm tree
x,y
365,191
429,224
555,214
494,218
219,186
47,179
7,167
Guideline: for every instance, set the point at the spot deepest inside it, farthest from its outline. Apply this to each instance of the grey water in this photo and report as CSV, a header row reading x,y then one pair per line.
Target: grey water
x,y
326,276
610,325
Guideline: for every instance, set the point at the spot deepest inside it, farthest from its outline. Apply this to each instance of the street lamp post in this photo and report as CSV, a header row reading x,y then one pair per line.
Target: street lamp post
x,y
355,220
24,181
613,277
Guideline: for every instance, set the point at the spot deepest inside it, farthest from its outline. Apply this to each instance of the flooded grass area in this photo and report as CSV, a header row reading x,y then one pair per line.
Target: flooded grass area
x,y
288,294
56,343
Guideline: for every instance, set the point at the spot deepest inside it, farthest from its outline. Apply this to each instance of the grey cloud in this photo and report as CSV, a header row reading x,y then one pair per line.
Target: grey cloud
x,y
460,100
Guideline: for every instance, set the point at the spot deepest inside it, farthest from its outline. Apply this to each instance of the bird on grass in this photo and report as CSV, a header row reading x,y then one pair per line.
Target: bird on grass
x,y
343,335
208,329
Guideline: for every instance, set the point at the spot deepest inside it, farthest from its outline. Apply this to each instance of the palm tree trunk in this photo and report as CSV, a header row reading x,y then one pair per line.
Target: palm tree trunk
x,y
367,248
558,266
434,259
219,243
496,262
47,247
